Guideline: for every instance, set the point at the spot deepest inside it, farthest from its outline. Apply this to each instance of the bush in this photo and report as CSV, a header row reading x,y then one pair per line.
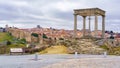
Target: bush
x,y
61,38
104,47
44,36
23,41
8,43
34,34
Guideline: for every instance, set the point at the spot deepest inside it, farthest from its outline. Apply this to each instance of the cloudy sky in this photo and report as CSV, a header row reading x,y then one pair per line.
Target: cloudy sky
x,y
55,13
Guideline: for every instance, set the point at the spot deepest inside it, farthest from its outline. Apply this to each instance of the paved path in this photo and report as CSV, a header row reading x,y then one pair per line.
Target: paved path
x,y
27,61
48,61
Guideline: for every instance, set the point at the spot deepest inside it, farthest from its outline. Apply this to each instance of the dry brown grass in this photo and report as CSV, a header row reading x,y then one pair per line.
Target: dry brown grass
x,y
55,50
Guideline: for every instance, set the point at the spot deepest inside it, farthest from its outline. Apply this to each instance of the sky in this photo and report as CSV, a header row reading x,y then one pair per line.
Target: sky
x,y
56,13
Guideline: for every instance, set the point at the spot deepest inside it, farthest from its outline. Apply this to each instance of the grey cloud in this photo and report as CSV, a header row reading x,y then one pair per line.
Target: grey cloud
x,y
47,14
63,15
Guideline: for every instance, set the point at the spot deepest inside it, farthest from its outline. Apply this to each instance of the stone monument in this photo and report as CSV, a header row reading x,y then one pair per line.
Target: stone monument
x,y
89,12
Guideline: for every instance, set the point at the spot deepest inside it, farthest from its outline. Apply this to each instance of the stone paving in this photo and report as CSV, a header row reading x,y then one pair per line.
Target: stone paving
x,y
59,61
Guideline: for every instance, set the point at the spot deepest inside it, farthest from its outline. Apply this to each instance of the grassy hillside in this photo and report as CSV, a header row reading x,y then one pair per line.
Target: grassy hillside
x,y
5,36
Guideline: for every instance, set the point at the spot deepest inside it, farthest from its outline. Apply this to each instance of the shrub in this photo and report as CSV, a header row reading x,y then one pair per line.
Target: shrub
x,y
104,47
8,43
61,38
23,41
34,34
44,36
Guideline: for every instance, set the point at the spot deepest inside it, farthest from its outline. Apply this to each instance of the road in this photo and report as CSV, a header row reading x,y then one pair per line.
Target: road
x,y
27,61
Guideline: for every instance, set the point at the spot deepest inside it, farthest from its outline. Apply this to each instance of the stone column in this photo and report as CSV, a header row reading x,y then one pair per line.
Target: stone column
x,y
89,26
84,25
89,23
103,26
75,25
96,25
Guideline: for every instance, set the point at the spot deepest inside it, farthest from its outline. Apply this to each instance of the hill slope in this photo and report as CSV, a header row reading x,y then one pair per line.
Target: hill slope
x,y
55,50
5,36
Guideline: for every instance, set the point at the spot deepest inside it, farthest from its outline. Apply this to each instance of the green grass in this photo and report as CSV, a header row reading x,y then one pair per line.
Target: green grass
x,y
5,36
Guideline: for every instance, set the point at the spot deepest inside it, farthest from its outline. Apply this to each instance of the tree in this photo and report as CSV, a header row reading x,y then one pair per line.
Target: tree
x,y
61,38
34,34
8,42
111,32
106,31
111,37
44,36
